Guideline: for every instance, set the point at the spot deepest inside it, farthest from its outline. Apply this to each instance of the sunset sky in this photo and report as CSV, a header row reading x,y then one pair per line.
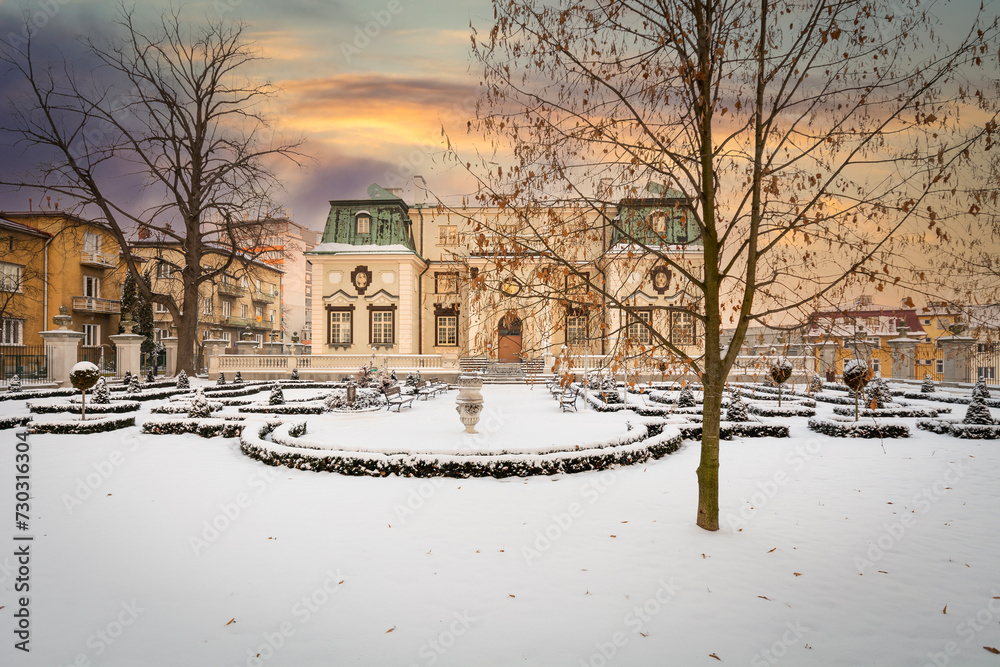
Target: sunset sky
x,y
369,112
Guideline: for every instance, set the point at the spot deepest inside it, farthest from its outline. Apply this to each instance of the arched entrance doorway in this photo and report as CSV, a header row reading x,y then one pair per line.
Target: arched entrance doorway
x,y
509,338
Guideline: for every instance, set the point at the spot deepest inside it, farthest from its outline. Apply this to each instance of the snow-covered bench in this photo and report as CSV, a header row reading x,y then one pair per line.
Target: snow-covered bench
x,y
394,396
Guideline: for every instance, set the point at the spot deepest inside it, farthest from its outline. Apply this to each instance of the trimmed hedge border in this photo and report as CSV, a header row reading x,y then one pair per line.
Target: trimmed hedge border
x,y
284,409
655,445
730,430
794,410
206,428
81,427
960,430
28,395
891,412
990,402
181,409
14,422
156,384
119,407
858,429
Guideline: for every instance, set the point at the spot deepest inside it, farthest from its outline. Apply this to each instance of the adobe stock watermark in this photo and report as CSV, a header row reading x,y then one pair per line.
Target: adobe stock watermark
x,y
88,485
491,421
768,489
562,522
37,15
432,649
636,620
301,611
967,629
773,654
103,638
895,531
363,35
230,511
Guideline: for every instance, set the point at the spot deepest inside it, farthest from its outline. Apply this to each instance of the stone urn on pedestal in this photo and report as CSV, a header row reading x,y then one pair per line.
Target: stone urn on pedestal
x,y
470,401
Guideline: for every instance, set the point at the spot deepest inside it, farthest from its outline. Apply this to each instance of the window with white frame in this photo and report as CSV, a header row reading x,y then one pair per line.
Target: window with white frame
x,y
658,222
340,327
682,328
576,329
227,336
206,305
92,286
92,243
227,308
244,310
987,373
364,223
258,313
165,270
637,330
161,308
447,330
447,235
382,327
11,332
11,276
876,366
91,335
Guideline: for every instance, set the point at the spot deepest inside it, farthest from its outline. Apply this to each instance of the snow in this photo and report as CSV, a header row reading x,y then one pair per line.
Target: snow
x,y
84,366
832,551
348,248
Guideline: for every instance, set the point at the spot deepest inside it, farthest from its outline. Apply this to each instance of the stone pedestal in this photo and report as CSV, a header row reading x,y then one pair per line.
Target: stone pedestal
x,y
957,355
904,358
61,347
469,401
246,346
297,348
274,348
129,348
170,343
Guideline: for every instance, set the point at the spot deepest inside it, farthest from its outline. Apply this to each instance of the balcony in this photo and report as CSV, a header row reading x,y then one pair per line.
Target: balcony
x,y
230,289
90,304
244,322
263,297
99,260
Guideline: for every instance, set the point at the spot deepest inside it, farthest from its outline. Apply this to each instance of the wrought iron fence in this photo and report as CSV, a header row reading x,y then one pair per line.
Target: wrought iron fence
x,y
985,363
153,361
30,363
104,357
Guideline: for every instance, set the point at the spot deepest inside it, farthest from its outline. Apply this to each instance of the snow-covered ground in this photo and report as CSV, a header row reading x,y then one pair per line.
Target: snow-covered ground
x,y
176,550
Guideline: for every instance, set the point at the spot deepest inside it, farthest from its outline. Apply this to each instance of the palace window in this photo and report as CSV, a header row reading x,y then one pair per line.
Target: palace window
x,y
446,283
382,327
658,222
576,329
447,330
637,330
364,223
682,328
340,327
447,235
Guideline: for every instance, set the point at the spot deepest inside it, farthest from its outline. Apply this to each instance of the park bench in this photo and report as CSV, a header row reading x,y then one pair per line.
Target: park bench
x,y
567,399
425,389
394,396
438,385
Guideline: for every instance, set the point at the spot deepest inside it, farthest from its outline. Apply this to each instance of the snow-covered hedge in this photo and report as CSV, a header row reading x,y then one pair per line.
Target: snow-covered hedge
x,y
76,427
206,428
284,409
28,395
730,430
119,407
944,398
960,430
645,442
858,429
891,412
178,408
14,422
794,410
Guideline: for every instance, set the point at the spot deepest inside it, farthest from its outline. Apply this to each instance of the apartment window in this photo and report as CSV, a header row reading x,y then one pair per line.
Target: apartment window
x,y
272,318
11,332
448,235
10,277
447,330
260,285
927,323
987,373
92,243
227,309
227,336
161,308
206,305
637,331
258,312
446,283
576,329
92,286
876,366
244,310
91,335
164,270
245,282
382,327
682,328
939,365
340,327
364,223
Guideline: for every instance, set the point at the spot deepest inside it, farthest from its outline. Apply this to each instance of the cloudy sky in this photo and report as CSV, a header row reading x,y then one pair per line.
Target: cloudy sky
x,y
368,84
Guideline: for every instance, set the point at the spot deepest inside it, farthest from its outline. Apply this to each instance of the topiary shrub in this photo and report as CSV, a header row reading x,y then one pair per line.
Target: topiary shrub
x,y
816,384
927,387
857,375
686,399
83,376
981,389
149,376
14,384
277,396
737,411
134,386
295,373
781,370
878,395
199,406
238,379
102,396
978,413
222,379
182,380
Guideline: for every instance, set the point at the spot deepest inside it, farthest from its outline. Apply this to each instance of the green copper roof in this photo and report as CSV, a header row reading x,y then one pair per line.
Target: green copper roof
x,y
388,220
637,221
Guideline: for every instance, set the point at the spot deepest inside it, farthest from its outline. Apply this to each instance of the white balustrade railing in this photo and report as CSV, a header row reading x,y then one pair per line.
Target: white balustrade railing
x,y
311,364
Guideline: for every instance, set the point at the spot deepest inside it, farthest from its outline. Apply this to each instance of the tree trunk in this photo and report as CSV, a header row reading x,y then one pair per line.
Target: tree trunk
x,y
187,330
708,467
83,406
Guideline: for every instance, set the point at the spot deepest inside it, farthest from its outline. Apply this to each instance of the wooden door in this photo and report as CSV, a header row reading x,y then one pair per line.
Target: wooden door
x,y
509,339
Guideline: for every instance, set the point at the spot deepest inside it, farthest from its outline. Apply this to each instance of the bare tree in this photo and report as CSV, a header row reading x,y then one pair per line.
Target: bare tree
x,y
800,148
177,109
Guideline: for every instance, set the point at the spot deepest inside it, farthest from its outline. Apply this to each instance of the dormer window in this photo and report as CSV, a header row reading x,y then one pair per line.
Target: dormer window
x,y
658,222
364,223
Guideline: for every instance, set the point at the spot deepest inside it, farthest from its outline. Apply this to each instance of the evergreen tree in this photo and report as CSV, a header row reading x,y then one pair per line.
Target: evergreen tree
x,y
878,393
134,386
14,384
928,385
981,389
295,373
199,406
978,413
238,379
140,309
686,399
182,380
737,411
101,394
277,396
222,379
